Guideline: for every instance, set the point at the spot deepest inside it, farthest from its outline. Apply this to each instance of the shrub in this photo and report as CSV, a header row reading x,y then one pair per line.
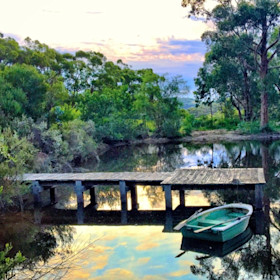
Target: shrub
x,y
8,264
187,124
249,127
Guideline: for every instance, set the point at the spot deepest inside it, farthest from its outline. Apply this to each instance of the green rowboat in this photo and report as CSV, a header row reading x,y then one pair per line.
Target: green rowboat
x,y
217,224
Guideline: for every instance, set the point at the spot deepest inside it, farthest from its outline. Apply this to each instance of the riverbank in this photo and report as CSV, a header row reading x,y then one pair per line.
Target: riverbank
x,y
209,136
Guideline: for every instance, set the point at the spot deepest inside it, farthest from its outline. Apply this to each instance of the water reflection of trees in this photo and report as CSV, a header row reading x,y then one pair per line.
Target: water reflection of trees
x,y
36,242
108,196
140,158
155,195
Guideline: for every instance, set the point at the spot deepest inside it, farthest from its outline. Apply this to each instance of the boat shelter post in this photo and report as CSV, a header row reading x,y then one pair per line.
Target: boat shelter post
x,y
168,225
182,197
168,197
259,196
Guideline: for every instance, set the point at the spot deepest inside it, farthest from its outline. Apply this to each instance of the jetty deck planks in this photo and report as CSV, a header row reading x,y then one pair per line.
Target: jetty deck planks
x,y
180,177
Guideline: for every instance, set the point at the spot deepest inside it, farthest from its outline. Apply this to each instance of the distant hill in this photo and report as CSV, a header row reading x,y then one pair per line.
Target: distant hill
x,y
187,102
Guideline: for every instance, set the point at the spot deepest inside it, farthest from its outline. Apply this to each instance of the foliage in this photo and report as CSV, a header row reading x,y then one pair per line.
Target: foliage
x,y
249,127
202,110
187,124
217,121
31,83
16,158
64,113
80,139
40,83
8,264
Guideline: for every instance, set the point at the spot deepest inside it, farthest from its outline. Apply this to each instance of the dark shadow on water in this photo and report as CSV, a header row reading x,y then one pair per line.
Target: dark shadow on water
x,y
216,249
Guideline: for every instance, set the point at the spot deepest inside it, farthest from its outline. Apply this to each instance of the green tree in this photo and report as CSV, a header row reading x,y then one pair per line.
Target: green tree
x,y
12,102
32,83
254,22
10,51
16,158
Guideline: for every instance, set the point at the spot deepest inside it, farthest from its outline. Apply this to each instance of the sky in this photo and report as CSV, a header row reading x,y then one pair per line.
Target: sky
x,y
145,34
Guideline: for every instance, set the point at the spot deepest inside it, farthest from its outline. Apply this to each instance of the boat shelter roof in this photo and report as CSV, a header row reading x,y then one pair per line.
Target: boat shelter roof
x,y
216,176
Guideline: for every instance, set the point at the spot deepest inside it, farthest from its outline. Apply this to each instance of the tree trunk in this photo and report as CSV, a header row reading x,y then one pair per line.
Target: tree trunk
x,y
263,73
247,98
264,110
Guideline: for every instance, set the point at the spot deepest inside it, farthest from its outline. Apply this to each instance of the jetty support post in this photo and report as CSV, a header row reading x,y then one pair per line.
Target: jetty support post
x,y
123,194
36,191
93,200
53,195
168,197
134,200
79,190
259,196
182,197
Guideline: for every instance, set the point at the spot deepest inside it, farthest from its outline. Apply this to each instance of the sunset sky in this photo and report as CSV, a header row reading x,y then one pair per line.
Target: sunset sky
x,y
144,34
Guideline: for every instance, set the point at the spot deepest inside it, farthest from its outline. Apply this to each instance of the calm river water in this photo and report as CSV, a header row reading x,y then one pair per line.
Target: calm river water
x,y
146,248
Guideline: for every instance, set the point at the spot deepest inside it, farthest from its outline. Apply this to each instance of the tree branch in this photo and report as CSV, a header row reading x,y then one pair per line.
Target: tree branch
x,y
277,86
273,44
249,66
274,53
274,67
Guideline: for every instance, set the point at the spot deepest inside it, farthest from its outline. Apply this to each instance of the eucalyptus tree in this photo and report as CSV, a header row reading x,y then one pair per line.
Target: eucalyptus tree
x,y
9,50
225,75
255,22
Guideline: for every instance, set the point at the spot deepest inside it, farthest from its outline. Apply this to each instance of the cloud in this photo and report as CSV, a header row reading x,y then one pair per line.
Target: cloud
x,y
142,261
184,46
78,274
146,246
180,273
117,273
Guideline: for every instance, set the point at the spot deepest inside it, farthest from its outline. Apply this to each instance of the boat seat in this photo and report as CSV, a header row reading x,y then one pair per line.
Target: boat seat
x,y
235,215
208,222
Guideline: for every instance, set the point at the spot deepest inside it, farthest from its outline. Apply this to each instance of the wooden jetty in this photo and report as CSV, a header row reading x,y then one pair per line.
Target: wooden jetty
x,y
180,179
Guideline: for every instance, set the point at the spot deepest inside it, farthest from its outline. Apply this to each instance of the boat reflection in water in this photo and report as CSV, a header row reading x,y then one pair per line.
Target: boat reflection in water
x,y
215,249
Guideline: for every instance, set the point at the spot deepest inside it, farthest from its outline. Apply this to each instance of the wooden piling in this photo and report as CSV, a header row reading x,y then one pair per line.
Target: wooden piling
x,y
259,196
182,197
36,191
134,200
53,195
168,197
123,194
93,200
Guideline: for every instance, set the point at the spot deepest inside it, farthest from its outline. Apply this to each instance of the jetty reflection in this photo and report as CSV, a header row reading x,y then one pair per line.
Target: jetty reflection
x,y
167,218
